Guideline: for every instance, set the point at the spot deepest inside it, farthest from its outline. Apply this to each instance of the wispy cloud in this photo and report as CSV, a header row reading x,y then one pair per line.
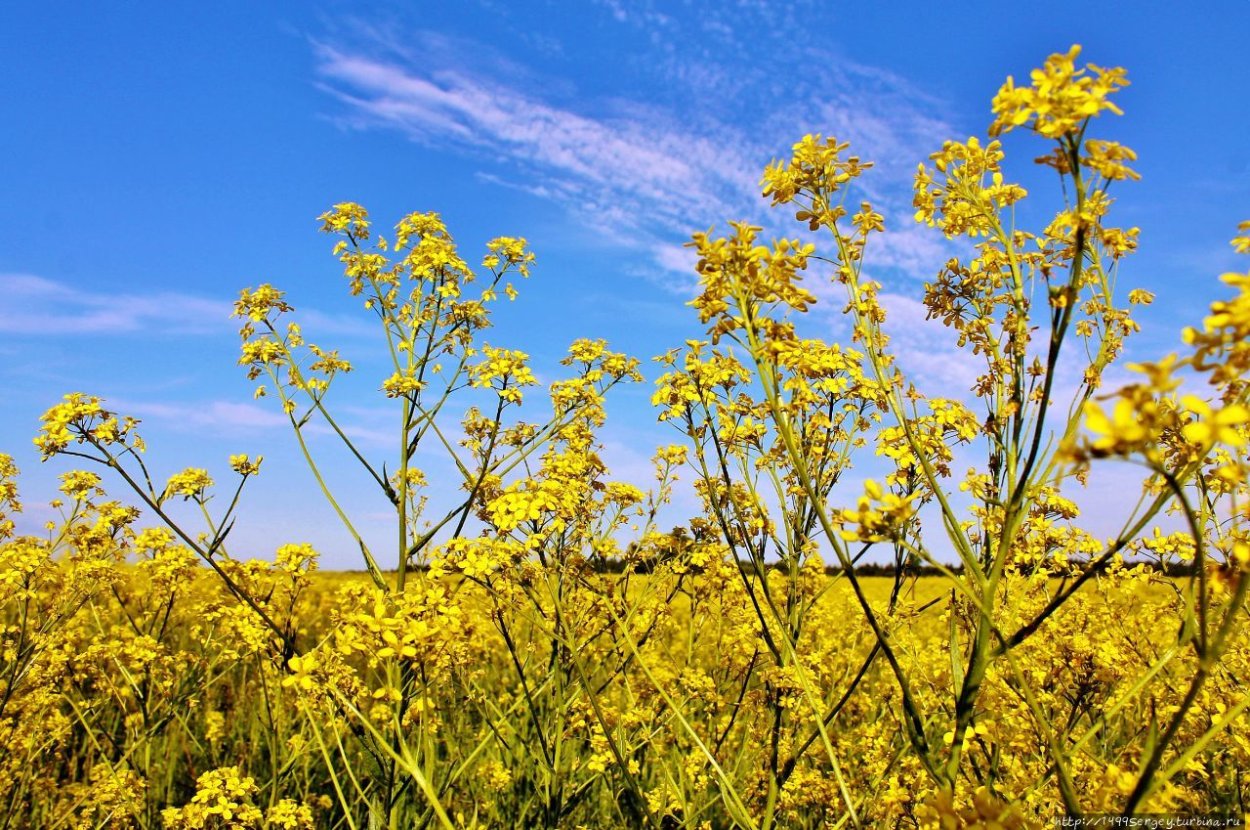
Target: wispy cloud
x,y
679,259
217,416
645,173
232,418
630,173
927,352
38,306
317,324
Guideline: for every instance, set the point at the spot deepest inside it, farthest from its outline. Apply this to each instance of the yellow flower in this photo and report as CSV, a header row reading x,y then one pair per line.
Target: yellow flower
x,y
303,669
1060,98
80,484
877,517
505,371
289,815
244,466
223,797
80,418
402,383
257,305
296,559
508,251
190,483
346,218
214,726
1211,427
1122,432
1241,242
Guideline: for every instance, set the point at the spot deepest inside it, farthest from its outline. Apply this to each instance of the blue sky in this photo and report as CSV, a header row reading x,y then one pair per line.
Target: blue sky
x,y
157,158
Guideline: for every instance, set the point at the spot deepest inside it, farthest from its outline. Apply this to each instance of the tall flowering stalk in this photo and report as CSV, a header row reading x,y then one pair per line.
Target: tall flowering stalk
x,y
774,420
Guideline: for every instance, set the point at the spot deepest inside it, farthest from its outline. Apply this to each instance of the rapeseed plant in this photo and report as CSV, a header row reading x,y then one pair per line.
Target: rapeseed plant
x,y
514,661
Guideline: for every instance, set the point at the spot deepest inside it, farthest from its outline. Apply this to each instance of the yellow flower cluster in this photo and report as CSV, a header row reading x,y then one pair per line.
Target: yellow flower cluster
x,y
191,483
80,419
1060,99
540,652
965,190
245,466
510,251
1222,345
9,503
736,269
478,558
257,305
223,797
505,370
879,515
815,169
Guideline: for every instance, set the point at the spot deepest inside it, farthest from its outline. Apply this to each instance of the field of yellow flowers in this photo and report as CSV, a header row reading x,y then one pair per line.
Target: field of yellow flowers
x,y
540,653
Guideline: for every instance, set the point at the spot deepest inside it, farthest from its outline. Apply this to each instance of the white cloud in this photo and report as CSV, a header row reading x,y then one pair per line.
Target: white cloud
x,y
927,351
643,173
676,258
38,306
222,417
915,250
217,416
632,171
316,324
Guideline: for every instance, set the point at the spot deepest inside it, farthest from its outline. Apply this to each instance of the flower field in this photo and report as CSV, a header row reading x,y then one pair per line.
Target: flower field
x,y
539,650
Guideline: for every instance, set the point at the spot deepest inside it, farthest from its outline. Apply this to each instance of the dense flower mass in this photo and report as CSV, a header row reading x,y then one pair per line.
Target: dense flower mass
x,y
931,639
1061,98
